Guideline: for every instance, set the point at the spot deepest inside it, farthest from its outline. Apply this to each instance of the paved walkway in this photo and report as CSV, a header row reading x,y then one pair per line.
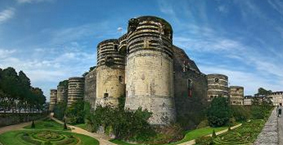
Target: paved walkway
x,y
103,140
269,134
280,130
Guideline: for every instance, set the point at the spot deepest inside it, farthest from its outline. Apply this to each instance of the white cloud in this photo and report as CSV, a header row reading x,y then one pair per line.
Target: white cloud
x,y
277,5
33,1
6,53
6,14
166,7
223,9
76,33
45,67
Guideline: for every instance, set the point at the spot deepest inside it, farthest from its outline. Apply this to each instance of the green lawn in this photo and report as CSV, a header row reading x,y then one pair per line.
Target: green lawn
x,y
46,123
14,138
190,135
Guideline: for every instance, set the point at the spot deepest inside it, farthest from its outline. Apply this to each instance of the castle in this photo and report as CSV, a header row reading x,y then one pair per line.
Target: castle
x,y
144,66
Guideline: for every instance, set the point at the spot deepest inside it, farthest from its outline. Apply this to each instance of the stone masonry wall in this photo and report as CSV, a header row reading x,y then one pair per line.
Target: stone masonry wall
x,y
90,88
190,100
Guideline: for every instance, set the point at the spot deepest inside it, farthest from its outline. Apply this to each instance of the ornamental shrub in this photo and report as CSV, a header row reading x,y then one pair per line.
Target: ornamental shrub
x,y
219,112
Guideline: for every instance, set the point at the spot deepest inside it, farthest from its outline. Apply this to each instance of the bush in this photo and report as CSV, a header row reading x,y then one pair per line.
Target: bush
x,y
76,113
240,113
205,140
214,134
32,124
59,110
257,112
203,124
219,112
125,124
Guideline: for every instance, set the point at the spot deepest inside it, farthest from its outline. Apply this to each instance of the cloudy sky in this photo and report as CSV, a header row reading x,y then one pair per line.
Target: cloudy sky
x,y
52,40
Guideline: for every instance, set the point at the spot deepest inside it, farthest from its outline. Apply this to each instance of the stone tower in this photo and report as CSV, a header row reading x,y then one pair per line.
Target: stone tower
x,y
62,92
75,89
217,85
236,95
53,99
149,68
110,73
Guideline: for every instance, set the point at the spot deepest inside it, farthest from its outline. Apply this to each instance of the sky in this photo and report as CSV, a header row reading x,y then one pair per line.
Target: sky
x,y
52,40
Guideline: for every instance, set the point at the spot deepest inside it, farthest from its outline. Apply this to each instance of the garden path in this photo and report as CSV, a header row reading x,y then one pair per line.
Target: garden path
x,y
103,140
14,127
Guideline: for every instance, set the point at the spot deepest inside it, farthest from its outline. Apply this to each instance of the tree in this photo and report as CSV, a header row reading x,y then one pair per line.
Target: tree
x,y
60,110
16,91
219,112
76,113
262,91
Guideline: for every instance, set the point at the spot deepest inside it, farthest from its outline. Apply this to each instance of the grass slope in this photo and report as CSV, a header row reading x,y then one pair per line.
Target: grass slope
x,y
190,135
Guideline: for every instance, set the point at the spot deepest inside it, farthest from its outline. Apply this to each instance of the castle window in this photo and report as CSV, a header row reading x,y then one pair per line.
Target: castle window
x,y
216,80
120,79
116,47
189,86
106,95
185,67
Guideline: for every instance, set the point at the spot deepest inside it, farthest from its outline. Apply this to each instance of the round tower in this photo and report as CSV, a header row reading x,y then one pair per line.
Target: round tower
x,y
149,68
53,99
217,86
236,95
110,73
75,89
62,93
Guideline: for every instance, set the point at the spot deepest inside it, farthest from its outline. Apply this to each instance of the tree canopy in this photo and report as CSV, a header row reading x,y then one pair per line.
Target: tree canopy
x,y
16,91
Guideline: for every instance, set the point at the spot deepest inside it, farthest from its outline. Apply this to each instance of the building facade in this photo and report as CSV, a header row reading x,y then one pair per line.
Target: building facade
x,y
276,98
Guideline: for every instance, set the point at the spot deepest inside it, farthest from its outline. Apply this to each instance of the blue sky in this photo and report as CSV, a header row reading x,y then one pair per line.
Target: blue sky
x,y
52,40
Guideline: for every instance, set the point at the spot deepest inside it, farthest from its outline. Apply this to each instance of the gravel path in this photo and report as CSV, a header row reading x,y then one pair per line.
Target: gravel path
x,y
269,134
14,127
103,140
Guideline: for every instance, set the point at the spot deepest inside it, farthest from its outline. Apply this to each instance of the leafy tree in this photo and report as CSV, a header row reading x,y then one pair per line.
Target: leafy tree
x,y
76,113
59,110
16,91
125,124
219,112
262,91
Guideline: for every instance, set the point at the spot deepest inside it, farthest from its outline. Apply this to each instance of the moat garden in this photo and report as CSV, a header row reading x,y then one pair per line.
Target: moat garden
x,y
249,122
45,132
